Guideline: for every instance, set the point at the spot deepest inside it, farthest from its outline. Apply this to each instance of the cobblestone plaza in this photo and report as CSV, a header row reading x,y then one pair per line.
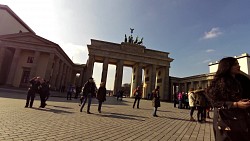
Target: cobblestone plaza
x,y
61,120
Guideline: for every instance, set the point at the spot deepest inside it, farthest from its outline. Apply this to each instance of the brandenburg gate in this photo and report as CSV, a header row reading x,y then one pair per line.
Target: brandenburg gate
x,y
155,63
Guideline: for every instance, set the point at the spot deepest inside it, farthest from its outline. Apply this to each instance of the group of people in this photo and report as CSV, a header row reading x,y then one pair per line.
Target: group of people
x,y
198,100
182,100
90,91
228,94
71,89
39,86
155,98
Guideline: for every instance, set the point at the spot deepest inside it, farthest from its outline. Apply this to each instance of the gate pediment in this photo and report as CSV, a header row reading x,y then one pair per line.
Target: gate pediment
x,y
28,38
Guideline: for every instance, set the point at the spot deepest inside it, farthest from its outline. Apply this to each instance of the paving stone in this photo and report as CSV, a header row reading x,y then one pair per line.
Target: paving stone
x,y
62,121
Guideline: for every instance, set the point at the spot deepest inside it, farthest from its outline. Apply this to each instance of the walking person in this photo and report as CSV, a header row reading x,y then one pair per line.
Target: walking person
x,y
156,100
137,93
78,90
88,91
201,105
70,90
33,89
101,96
191,100
180,100
44,93
229,93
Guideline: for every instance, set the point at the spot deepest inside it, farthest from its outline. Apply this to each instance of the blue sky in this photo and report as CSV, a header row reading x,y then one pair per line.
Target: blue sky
x,y
194,32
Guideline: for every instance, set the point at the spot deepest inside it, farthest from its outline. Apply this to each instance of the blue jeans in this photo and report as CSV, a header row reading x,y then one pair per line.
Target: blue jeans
x,y
84,101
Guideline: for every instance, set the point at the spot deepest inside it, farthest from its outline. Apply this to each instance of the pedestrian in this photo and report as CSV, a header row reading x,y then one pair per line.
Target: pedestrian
x,y
121,94
229,94
33,89
180,100
185,101
101,96
47,91
118,94
175,99
62,89
191,100
156,100
44,93
201,105
88,91
137,94
78,90
70,90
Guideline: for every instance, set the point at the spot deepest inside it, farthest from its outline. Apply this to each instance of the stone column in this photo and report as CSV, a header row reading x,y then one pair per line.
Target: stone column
x,y
153,77
63,75
2,54
13,66
192,84
208,83
59,75
200,84
90,67
54,73
69,77
166,93
66,75
49,70
34,65
118,76
186,87
105,70
136,77
172,91
2,74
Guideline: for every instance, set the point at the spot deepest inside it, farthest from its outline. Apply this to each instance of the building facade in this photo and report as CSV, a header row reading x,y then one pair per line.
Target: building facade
x,y
24,55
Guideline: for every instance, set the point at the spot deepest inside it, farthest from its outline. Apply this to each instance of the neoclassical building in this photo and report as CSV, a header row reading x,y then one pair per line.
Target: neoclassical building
x,y
23,55
204,80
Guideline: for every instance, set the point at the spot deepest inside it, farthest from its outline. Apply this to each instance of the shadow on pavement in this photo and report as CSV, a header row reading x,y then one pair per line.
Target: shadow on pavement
x,y
121,116
52,110
61,107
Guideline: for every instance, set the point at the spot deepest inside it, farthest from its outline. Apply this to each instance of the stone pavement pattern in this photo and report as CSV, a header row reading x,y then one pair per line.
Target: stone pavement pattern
x,y
61,120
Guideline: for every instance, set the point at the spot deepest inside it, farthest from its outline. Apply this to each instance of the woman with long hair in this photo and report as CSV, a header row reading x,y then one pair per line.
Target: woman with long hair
x,y
231,111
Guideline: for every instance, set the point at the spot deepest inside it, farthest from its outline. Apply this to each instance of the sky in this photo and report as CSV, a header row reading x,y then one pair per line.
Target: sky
x,y
194,32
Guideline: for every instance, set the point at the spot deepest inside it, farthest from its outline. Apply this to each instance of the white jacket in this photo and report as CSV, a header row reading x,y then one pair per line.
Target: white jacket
x,y
191,99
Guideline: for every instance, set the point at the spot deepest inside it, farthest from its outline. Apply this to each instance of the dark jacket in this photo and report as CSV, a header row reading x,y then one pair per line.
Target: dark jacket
x,y
201,99
44,89
156,98
137,93
34,87
101,94
89,88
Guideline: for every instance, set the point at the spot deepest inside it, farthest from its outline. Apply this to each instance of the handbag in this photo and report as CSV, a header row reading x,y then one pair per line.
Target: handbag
x,y
232,120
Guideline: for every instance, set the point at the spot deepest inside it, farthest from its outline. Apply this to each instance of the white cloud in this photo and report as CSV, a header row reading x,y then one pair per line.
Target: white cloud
x,y
210,50
206,61
213,33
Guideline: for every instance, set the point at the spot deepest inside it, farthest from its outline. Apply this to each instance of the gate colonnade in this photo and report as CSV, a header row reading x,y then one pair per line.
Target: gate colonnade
x,y
155,63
